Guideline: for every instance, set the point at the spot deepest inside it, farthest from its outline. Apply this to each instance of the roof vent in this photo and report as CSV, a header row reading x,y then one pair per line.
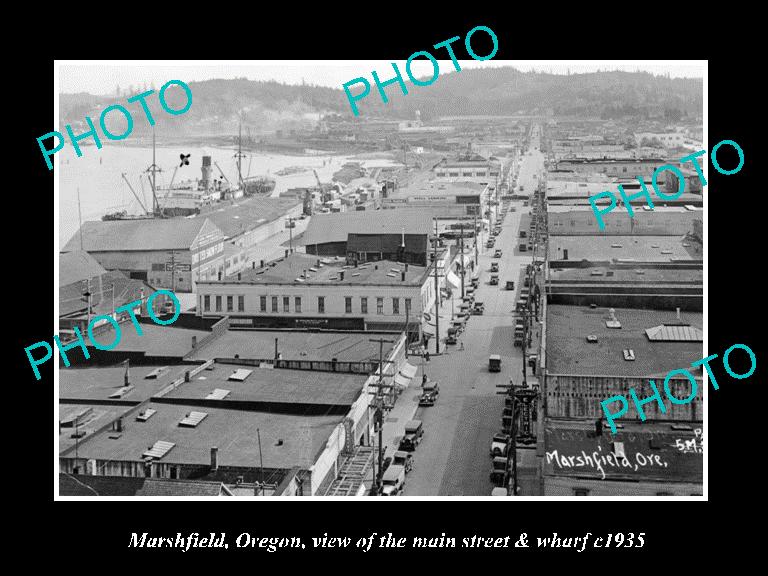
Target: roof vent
x,y
592,339
612,322
593,306
629,354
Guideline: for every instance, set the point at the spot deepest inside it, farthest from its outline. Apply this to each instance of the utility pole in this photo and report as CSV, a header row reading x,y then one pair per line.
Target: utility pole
x,y
80,218
290,220
512,446
461,241
173,270
378,403
261,461
154,169
240,156
87,294
437,297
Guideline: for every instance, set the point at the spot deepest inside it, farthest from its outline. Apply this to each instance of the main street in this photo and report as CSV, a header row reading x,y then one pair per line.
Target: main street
x,y
452,458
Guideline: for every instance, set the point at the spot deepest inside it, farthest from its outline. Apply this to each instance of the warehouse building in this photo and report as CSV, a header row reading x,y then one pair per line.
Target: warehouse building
x,y
169,253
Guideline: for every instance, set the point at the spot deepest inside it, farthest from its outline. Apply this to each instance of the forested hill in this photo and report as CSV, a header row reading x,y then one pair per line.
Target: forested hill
x,y
271,105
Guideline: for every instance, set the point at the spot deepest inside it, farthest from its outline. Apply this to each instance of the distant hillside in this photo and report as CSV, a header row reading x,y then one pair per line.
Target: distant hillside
x,y
269,106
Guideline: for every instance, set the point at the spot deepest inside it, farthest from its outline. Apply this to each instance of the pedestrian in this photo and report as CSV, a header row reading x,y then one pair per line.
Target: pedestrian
x,y
462,345
426,355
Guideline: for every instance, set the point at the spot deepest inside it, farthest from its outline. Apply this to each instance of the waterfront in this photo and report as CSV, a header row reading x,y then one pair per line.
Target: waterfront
x,y
97,174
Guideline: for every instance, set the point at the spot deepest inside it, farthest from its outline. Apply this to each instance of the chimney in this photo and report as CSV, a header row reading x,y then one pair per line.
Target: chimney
x,y
341,276
276,354
219,274
565,254
402,276
239,276
318,263
406,266
286,252
187,376
261,264
214,459
253,265
194,341
118,425
678,314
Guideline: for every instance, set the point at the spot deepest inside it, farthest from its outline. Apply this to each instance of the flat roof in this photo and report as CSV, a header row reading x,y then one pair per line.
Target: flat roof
x,y
297,345
99,415
652,450
607,248
156,340
98,383
439,188
658,209
568,351
627,275
286,440
273,385
289,269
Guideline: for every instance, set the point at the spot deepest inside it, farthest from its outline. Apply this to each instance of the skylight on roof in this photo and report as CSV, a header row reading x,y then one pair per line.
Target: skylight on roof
x,y
629,354
671,333
158,450
192,419
146,415
240,375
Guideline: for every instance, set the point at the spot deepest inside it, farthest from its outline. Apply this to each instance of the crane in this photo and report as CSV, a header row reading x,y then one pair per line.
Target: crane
x,y
134,194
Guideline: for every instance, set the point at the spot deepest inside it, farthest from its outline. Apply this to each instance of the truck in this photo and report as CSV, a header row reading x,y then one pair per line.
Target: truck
x,y
494,363
393,481
404,459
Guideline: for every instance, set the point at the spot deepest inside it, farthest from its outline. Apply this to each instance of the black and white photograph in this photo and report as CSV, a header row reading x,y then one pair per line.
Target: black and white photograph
x,y
339,279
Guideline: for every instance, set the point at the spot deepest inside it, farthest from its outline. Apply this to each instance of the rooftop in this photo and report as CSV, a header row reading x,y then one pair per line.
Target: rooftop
x,y
76,266
631,248
599,275
264,385
86,485
303,269
335,227
95,383
296,345
568,351
655,452
286,440
242,215
438,188
156,340
91,417
138,235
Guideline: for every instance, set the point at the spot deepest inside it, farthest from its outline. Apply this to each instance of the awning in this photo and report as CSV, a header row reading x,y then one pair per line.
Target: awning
x,y
453,279
402,381
408,370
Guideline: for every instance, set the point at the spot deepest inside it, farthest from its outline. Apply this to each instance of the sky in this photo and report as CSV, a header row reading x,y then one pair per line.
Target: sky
x,y
101,79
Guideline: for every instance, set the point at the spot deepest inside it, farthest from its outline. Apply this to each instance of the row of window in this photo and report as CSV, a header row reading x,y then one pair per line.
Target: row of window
x,y
208,252
218,300
273,304
585,492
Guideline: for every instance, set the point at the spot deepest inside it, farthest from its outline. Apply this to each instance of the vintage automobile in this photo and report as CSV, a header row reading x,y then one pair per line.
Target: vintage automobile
x,y
500,444
494,266
499,470
494,279
404,459
427,399
413,434
510,285
494,363
497,254
451,339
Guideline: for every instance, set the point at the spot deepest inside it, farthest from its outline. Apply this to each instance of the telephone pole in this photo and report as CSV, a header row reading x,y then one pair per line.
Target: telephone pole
x,y
461,242
477,261
378,414
437,297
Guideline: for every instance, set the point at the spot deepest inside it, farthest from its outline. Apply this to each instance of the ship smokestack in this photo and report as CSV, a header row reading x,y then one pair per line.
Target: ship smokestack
x,y
206,172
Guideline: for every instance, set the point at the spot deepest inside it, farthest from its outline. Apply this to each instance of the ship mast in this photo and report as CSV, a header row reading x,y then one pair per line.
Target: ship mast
x,y
154,169
240,156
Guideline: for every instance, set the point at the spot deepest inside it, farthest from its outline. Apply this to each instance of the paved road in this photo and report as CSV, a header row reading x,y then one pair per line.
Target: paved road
x,y
453,456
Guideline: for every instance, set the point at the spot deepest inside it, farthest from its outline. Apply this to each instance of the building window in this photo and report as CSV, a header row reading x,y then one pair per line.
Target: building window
x,y
664,494
348,304
453,174
230,303
364,305
286,304
580,492
241,303
321,304
297,304
207,303
218,303
263,303
395,305
407,305
274,303
379,305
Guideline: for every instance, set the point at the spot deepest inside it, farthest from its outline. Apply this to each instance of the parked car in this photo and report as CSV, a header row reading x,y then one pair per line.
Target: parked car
x,y
489,244
494,279
393,481
497,254
494,363
498,471
413,434
451,339
431,387
510,285
404,459
494,266
427,399
500,444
